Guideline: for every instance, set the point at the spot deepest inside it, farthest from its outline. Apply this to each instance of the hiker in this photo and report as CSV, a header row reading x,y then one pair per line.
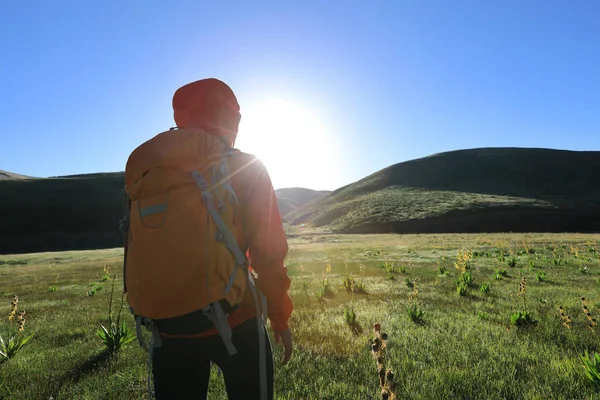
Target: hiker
x,y
205,250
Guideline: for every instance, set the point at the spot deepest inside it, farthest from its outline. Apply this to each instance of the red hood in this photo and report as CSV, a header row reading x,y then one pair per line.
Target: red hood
x,y
208,104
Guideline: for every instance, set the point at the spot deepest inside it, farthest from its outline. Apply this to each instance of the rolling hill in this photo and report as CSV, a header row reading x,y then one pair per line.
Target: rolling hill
x,y
477,190
62,213
77,211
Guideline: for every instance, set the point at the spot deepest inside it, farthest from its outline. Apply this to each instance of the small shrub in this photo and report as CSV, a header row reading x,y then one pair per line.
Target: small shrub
x,y
390,269
512,262
531,263
52,289
409,283
584,270
521,318
16,338
503,272
359,287
349,316
465,278
93,288
325,290
348,284
442,269
591,364
353,286
464,259
118,333
484,288
498,276
482,315
415,313
462,288
541,277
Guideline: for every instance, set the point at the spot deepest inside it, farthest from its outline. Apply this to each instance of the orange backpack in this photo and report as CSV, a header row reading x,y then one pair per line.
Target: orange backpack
x,y
182,259
182,254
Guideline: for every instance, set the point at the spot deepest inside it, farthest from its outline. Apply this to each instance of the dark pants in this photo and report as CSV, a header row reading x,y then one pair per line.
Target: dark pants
x,y
181,367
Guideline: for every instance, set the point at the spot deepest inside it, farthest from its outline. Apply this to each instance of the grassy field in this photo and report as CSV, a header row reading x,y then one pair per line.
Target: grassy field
x,y
462,347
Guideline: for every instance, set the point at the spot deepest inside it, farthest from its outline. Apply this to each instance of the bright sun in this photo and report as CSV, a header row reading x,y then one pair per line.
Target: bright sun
x,y
292,142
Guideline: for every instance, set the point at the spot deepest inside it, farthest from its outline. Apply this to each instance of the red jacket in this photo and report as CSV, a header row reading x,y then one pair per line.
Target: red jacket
x,y
211,105
261,234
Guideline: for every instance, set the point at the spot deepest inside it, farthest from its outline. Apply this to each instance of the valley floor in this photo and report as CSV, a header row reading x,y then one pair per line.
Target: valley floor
x,y
502,337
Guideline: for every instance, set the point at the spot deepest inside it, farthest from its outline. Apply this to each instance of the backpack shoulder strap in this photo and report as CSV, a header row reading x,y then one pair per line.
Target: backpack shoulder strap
x,y
225,234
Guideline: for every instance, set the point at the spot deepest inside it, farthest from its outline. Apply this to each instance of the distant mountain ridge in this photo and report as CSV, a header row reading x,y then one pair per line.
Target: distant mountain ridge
x,y
293,199
6,175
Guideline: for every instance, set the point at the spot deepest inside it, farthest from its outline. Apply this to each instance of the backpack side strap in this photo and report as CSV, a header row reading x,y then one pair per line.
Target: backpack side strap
x,y
155,341
216,315
260,299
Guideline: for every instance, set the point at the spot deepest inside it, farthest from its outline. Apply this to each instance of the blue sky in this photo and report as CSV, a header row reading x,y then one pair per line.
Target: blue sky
x,y
84,83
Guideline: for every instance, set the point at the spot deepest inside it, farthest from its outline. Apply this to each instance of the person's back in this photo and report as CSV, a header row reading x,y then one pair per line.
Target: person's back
x,y
188,345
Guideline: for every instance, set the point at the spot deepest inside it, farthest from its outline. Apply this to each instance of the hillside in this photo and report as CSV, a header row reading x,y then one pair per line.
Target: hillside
x,y
76,211
5,175
292,199
62,213
478,190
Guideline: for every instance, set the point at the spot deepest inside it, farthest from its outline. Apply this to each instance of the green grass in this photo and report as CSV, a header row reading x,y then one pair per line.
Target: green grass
x,y
463,347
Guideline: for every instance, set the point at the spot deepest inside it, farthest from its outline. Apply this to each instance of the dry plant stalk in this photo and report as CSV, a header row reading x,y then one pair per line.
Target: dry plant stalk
x,y
387,384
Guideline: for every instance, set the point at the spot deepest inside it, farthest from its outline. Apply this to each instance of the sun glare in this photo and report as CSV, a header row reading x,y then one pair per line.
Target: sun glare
x,y
292,142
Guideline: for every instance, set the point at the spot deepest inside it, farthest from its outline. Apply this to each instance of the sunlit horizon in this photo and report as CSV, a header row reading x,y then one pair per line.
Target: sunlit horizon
x,y
294,144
